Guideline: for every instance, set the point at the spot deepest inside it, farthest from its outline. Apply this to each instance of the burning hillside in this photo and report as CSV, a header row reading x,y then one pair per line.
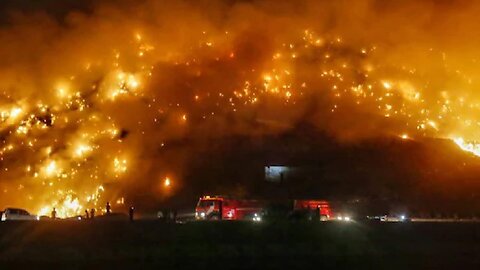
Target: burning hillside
x,y
91,102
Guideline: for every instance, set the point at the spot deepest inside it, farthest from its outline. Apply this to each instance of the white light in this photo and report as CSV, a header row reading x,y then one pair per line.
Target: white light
x,y
202,215
167,182
402,217
256,217
15,112
340,218
347,219
51,167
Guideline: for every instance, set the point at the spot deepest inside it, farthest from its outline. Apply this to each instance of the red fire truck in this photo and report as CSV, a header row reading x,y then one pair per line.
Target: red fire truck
x,y
318,208
225,208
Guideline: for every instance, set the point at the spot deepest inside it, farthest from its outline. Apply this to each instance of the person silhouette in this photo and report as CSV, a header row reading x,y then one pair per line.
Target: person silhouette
x,y
108,208
131,212
54,213
92,213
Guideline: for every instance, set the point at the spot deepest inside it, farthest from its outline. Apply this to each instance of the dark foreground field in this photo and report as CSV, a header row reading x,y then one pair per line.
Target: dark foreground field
x,y
227,245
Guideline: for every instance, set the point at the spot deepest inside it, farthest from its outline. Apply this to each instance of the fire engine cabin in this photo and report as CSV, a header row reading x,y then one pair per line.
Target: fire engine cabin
x,y
219,207
320,208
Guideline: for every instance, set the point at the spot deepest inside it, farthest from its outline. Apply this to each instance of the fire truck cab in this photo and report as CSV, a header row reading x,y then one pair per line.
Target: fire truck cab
x,y
315,208
224,208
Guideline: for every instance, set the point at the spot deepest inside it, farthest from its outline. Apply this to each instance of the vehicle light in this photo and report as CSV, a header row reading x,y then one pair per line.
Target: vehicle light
x,y
37,217
347,219
256,218
202,215
340,218
402,217
3,217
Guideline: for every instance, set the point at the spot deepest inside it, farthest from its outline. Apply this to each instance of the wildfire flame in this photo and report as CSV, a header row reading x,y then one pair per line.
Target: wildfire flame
x,y
470,147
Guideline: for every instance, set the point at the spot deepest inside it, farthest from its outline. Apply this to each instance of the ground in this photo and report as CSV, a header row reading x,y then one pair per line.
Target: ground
x,y
238,245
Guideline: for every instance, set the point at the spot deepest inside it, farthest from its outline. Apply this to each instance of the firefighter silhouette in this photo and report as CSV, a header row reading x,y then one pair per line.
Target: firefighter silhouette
x,y
108,208
54,213
131,212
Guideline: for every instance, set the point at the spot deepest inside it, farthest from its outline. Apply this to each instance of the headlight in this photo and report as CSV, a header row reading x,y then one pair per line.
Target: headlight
x,y
347,219
256,217
340,218
202,215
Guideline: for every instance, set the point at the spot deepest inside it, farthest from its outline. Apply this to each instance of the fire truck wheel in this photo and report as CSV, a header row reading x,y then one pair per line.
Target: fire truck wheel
x,y
214,217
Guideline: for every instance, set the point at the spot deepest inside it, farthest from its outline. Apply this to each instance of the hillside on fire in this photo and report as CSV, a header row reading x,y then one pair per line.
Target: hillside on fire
x,y
156,102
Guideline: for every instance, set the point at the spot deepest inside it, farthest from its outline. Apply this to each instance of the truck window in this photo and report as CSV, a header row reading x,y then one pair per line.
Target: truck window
x,y
206,203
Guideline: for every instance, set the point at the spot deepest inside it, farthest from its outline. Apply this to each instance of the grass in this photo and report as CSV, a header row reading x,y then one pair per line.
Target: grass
x,y
239,245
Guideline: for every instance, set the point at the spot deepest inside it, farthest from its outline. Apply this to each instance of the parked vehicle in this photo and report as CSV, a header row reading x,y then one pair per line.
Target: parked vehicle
x,y
312,209
390,218
17,214
225,208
